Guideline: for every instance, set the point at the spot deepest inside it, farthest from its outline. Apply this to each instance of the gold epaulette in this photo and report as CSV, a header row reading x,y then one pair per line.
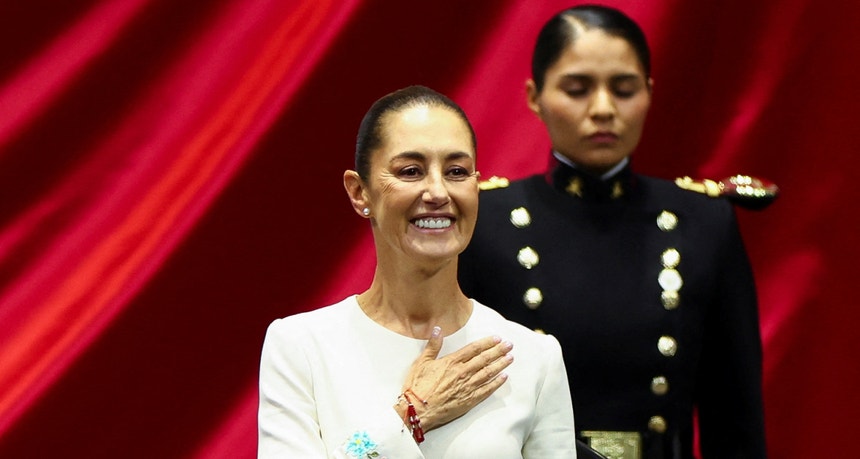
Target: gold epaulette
x,y
493,183
743,190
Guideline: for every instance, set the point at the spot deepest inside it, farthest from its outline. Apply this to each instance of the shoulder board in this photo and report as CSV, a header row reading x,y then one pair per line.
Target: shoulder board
x,y
708,187
493,183
745,191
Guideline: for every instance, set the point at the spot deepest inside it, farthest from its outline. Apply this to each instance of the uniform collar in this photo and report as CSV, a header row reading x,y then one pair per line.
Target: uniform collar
x,y
564,176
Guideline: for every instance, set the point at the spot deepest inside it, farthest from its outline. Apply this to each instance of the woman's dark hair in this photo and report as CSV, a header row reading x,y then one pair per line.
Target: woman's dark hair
x,y
370,130
562,29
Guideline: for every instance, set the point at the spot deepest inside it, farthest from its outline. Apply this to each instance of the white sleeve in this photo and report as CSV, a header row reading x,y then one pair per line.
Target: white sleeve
x,y
287,419
554,434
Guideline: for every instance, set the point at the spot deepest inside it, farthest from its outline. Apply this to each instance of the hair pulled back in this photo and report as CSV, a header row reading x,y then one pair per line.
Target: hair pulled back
x,y
370,132
562,30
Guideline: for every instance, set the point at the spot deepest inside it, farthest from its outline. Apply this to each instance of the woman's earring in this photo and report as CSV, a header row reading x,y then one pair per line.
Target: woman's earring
x,y
366,212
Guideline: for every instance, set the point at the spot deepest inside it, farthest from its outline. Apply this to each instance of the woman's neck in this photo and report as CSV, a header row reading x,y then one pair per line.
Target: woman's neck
x,y
413,300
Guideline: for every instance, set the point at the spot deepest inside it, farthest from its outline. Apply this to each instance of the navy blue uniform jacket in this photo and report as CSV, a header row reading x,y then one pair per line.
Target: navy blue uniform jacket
x,y
590,262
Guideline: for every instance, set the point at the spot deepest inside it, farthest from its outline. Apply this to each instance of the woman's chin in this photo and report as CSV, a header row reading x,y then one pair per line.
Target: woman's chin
x,y
437,253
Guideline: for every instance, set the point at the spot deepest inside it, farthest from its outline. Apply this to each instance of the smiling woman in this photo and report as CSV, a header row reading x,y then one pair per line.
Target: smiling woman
x,y
422,188
330,378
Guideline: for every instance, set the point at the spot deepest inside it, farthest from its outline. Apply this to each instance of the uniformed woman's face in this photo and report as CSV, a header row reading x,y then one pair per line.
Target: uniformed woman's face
x,y
594,101
423,187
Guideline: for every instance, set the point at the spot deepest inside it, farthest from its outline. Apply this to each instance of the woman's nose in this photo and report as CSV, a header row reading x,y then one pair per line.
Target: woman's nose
x,y
602,104
435,190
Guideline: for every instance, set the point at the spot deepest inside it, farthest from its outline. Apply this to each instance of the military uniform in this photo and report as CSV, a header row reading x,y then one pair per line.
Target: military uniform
x,y
649,290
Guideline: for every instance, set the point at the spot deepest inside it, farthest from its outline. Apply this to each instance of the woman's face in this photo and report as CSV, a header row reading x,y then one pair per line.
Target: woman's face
x,y
594,101
423,188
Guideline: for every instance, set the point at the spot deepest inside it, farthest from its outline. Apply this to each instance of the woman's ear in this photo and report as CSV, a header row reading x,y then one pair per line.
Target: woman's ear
x,y
357,192
532,97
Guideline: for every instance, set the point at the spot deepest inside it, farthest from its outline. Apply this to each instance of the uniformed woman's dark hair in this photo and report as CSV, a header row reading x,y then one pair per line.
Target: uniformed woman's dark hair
x,y
370,134
561,31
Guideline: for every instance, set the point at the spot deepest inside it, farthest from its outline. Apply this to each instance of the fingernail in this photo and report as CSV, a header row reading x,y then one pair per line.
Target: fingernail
x,y
497,339
436,332
509,345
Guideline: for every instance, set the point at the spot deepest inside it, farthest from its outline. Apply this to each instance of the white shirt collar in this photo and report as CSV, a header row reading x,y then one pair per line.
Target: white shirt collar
x,y
608,175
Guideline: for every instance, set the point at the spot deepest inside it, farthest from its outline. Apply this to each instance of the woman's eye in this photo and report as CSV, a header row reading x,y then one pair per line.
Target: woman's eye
x,y
626,88
458,172
624,93
411,171
576,92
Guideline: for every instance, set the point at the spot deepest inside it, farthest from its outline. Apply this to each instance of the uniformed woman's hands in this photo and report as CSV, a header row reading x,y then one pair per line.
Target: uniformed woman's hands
x,y
454,384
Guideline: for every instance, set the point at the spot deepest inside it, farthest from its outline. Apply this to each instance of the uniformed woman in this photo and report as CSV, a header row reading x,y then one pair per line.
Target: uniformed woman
x,y
646,284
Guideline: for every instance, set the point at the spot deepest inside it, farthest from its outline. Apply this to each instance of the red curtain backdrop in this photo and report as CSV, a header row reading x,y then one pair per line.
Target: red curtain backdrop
x,y
170,182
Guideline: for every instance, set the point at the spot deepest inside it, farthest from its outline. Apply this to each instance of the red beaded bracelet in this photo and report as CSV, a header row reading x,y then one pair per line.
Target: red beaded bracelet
x,y
412,417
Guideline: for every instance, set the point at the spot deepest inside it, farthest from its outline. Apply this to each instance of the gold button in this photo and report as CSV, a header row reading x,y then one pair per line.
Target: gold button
x,y
540,330
528,258
533,298
659,385
667,346
670,279
671,299
667,221
657,424
520,217
670,258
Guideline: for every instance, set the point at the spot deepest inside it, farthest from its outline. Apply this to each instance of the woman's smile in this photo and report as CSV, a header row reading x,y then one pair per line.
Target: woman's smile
x,y
433,222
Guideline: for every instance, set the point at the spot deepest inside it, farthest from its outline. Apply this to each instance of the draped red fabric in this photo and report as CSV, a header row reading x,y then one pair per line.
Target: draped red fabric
x,y
170,175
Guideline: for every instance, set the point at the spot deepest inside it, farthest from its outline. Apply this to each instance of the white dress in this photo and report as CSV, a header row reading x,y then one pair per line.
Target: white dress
x,y
330,377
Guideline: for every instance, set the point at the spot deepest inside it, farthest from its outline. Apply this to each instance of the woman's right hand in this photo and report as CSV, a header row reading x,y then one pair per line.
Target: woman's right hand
x,y
454,384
